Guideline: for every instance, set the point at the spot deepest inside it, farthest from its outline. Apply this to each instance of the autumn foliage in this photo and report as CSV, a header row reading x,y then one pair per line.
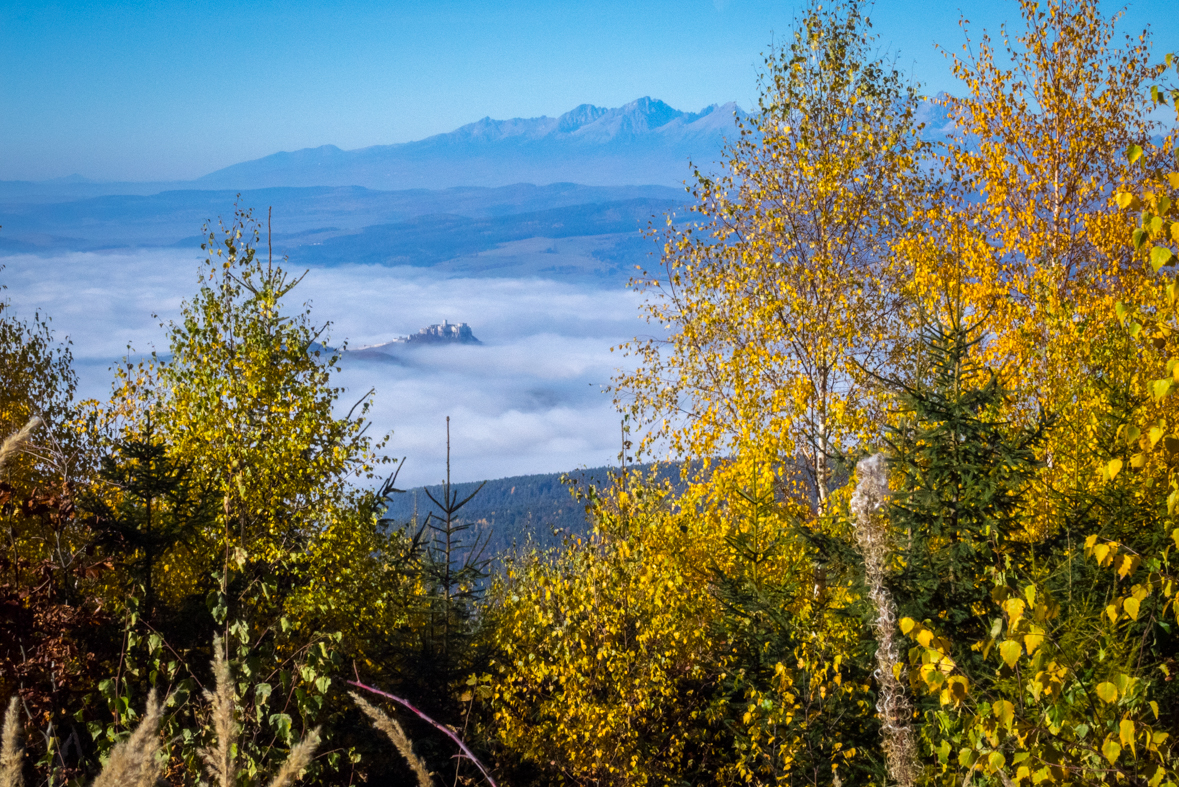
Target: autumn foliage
x,y
922,393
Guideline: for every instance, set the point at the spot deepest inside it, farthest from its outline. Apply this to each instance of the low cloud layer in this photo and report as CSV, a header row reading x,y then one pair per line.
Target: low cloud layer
x,y
529,400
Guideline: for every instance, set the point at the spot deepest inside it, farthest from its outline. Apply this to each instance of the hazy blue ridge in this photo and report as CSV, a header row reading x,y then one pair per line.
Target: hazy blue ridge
x,y
170,217
427,240
521,511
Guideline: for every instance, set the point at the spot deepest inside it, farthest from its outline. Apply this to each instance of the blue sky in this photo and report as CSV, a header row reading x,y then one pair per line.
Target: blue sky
x,y
172,90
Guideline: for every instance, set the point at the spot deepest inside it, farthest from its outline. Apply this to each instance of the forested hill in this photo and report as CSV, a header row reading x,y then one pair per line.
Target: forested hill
x,y
515,511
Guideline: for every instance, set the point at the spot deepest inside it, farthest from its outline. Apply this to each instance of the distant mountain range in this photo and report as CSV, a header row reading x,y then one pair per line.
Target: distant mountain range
x,y
646,142
560,197
643,142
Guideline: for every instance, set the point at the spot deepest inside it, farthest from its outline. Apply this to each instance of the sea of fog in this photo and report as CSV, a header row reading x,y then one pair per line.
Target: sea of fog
x,y
530,399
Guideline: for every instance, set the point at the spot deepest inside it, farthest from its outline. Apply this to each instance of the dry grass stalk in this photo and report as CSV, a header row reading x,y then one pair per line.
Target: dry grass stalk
x,y
16,440
392,729
219,760
11,759
136,761
297,760
896,712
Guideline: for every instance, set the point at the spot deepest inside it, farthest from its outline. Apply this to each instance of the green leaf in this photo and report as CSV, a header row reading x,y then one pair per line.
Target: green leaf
x,y
1160,388
1160,256
282,725
1133,153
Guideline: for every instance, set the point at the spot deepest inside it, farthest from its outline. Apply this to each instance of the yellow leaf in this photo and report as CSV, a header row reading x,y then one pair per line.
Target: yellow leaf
x,y
1014,608
1100,553
1156,432
958,688
1111,749
1115,465
931,675
1107,692
1005,712
907,624
1033,641
1130,607
996,760
1010,651
1126,732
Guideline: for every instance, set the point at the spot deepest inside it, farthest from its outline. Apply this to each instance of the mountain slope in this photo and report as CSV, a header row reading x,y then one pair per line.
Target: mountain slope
x,y
520,511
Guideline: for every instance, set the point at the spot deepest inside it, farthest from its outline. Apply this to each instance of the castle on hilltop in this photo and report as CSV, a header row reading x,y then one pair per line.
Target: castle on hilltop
x,y
444,333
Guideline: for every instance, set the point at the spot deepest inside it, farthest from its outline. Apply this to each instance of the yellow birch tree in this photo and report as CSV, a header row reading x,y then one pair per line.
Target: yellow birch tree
x,y
1025,233
775,296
